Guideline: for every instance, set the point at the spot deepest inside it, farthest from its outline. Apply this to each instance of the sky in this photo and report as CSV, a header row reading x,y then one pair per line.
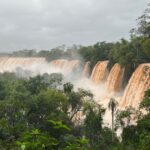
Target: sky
x,y
45,24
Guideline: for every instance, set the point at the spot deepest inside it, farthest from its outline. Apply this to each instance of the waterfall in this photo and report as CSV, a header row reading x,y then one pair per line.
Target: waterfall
x,y
86,70
11,63
67,66
137,85
115,78
38,65
100,72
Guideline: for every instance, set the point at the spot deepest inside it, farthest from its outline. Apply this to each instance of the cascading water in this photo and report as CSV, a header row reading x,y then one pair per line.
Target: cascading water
x,y
11,63
86,70
38,65
115,78
100,72
138,84
65,66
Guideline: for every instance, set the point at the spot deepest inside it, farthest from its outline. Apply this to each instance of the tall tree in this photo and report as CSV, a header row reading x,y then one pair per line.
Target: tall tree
x,y
112,105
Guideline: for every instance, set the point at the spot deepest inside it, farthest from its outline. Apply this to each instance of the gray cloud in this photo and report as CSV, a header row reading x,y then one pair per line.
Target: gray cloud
x,y
43,24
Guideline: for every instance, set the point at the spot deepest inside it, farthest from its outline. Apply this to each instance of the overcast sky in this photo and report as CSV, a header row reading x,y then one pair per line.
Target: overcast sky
x,y
44,24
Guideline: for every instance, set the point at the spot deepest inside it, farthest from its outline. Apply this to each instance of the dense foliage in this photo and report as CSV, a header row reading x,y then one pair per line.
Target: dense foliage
x,y
36,115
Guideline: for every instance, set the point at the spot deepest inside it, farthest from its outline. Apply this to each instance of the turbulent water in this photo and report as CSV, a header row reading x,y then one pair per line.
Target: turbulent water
x,y
101,82
135,89
100,72
138,84
11,63
115,78
37,65
86,70
66,66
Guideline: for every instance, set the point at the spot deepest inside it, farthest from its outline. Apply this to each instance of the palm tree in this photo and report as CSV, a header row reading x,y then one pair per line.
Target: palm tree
x,y
112,105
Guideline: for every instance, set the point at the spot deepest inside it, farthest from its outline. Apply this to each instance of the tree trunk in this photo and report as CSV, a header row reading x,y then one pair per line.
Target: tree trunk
x,y
112,126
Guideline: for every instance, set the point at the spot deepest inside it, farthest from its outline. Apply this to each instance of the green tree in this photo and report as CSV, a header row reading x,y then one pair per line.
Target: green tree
x,y
145,104
68,87
93,124
112,105
35,84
